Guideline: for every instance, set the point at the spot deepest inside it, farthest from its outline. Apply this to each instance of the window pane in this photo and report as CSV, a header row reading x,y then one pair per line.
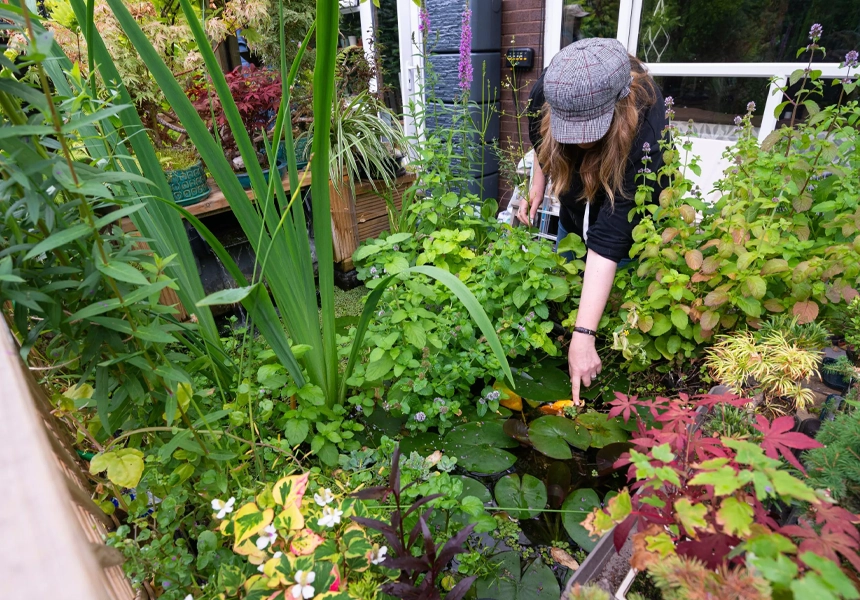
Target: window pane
x,y
744,30
714,102
587,19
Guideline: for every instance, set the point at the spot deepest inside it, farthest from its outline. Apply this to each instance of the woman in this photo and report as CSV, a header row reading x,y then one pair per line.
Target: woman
x,y
603,114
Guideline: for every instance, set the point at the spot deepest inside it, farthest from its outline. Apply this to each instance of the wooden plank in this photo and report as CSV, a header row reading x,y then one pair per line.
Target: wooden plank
x,y
43,550
344,227
217,203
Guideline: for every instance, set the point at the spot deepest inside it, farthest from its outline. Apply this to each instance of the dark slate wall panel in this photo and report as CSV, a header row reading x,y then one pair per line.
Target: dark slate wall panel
x,y
440,116
447,88
445,25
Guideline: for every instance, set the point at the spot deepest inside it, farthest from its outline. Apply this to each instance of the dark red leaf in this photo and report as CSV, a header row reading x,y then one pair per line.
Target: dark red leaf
x,y
373,493
778,439
711,548
622,530
458,591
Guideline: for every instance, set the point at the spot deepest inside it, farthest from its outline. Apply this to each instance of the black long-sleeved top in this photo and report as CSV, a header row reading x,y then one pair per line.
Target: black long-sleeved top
x,y
610,232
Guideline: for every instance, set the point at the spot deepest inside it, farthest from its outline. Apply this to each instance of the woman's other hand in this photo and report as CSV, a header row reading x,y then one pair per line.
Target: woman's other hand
x,y
584,364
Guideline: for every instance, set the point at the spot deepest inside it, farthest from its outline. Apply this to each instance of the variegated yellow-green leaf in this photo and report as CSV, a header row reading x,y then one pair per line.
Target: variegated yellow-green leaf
x,y
250,520
620,506
735,516
661,544
124,467
291,489
83,391
692,516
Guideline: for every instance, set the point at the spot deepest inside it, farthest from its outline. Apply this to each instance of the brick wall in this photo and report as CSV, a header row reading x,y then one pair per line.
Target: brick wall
x,y
522,26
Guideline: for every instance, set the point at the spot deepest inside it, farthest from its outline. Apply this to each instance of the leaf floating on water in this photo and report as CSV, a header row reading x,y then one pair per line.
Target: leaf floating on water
x,y
564,559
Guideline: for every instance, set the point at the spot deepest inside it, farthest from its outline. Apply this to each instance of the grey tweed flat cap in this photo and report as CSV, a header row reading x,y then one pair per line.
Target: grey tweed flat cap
x,y
582,85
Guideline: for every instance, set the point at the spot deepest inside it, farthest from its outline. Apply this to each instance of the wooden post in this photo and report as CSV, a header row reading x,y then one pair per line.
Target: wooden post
x,y
52,545
344,223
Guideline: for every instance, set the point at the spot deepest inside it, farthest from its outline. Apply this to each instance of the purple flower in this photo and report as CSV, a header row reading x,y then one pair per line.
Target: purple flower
x,y
775,200
439,400
646,148
851,60
738,121
464,70
750,106
424,21
669,101
420,416
815,32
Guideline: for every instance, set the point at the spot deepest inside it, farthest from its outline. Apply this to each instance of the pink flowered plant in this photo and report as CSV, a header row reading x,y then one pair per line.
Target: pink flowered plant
x,y
465,68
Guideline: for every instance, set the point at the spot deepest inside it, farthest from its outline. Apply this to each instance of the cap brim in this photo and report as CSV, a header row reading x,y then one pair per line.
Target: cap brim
x,y
569,131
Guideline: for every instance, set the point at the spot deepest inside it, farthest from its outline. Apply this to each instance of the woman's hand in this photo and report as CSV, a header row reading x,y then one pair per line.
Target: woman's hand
x,y
583,362
526,212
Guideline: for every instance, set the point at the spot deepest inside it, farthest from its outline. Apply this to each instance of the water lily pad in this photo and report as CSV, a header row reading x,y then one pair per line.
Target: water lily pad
x,y
473,487
424,443
507,582
478,446
580,502
517,430
603,431
551,436
528,495
545,383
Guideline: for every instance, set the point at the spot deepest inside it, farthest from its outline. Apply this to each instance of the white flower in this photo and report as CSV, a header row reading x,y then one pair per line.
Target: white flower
x,y
303,587
223,508
524,249
378,555
325,498
51,190
102,162
189,597
330,518
269,536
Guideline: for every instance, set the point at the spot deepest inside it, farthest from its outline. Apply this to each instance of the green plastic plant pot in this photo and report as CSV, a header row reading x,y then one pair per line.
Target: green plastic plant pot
x,y
189,185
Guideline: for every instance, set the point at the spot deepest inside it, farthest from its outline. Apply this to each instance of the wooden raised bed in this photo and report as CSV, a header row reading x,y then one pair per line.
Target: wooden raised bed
x,y
362,217
52,544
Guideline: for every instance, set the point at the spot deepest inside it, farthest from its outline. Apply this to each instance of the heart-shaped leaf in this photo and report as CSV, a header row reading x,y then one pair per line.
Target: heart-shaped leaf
x,y
528,495
579,504
478,446
551,435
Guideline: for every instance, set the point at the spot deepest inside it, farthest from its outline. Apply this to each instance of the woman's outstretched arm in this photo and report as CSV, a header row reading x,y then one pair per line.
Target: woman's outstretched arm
x,y
582,358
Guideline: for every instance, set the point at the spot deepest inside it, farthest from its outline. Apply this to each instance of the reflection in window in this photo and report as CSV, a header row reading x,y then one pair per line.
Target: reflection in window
x,y
744,30
587,19
712,103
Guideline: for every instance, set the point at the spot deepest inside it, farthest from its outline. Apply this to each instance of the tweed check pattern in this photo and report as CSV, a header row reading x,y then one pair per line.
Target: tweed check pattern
x,y
582,85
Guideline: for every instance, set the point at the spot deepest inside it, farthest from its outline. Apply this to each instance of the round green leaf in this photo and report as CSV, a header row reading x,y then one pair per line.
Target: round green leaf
x,y
477,446
473,487
603,430
537,583
552,434
527,494
580,503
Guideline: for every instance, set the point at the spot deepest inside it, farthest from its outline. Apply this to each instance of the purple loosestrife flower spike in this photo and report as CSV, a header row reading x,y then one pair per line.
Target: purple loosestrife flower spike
x,y
424,22
815,32
465,68
851,60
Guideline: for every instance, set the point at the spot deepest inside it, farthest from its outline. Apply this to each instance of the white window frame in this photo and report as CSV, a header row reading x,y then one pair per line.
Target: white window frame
x,y
629,18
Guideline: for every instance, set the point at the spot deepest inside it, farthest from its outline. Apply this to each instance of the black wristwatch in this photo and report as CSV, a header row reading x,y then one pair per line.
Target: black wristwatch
x,y
590,332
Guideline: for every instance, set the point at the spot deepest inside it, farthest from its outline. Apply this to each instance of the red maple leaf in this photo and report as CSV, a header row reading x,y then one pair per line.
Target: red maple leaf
x,y
777,438
711,400
827,543
623,405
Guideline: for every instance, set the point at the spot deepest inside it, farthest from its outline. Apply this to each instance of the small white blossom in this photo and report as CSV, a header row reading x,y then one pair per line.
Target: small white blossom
x,y
377,555
523,248
51,190
325,498
330,518
303,587
189,597
223,508
269,536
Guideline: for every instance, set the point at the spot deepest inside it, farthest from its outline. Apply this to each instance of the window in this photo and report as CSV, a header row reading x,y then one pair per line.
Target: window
x,y
586,19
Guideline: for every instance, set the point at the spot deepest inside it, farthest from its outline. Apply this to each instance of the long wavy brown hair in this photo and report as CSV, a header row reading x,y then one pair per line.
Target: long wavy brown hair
x,y
602,166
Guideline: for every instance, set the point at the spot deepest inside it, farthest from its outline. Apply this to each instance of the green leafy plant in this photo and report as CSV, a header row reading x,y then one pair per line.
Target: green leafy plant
x,y
781,238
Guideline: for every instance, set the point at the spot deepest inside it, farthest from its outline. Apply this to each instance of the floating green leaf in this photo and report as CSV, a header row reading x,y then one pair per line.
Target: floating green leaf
x,y
552,434
508,582
478,446
603,430
580,503
528,494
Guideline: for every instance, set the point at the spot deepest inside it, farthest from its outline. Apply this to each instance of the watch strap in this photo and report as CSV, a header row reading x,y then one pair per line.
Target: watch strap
x,y
585,331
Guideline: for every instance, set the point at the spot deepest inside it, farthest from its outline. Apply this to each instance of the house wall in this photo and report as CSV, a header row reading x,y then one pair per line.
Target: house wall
x,y
522,26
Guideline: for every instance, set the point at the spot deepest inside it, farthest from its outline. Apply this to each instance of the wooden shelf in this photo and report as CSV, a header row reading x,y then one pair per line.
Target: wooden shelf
x,y
217,203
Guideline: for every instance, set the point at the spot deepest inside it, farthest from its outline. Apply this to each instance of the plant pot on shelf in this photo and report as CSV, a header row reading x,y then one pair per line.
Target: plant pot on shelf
x,y
245,179
834,380
189,185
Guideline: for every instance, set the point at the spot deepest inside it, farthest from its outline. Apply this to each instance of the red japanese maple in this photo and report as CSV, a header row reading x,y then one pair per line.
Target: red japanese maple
x,y
778,439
